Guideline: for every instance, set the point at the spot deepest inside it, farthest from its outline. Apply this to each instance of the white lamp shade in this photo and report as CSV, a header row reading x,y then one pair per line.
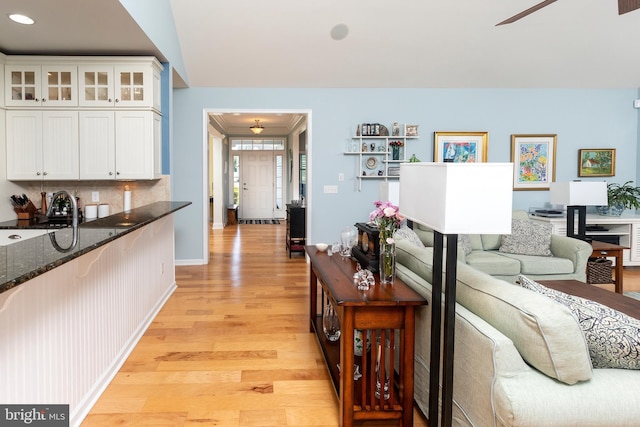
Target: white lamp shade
x,y
579,193
458,198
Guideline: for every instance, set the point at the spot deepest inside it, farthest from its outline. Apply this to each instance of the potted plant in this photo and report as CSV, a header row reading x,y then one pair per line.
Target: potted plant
x,y
620,197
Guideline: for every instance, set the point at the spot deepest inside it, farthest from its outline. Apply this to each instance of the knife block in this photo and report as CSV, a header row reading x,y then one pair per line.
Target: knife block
x,y
27,211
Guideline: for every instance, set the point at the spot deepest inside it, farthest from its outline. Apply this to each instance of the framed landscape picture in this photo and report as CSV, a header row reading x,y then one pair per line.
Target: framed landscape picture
x,y
597,162
460,147
534,161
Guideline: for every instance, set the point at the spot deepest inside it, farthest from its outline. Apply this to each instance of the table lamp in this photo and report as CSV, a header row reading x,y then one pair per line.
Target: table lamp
x,y
577,195
452,199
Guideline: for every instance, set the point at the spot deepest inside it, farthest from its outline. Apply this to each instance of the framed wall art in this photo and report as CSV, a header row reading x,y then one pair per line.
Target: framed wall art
x,y
460,147
597,162
534,161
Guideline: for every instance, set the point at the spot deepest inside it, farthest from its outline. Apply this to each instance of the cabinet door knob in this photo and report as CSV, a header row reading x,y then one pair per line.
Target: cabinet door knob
x,y
38,173
110,100
44,99
44,173
117,100
117,173
111,173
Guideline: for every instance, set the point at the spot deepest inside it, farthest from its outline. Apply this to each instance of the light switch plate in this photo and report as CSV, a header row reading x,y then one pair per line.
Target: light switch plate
x,y
330,189
636,103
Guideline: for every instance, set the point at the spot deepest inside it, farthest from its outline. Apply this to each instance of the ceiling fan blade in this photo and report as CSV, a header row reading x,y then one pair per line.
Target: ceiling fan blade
x,y
539,6
625,6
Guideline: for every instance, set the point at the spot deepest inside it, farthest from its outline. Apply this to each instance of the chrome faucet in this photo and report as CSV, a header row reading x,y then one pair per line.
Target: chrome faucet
x,y
74,220
74,206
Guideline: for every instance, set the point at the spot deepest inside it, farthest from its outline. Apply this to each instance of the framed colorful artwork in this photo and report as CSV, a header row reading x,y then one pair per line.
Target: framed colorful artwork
x,y
597,162
460,147
534,161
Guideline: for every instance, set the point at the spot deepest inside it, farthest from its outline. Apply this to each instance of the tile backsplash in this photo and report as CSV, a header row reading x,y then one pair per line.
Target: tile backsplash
x,y
110,192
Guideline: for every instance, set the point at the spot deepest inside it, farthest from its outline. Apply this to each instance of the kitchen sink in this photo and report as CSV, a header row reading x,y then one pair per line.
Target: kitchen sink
x,y
9,236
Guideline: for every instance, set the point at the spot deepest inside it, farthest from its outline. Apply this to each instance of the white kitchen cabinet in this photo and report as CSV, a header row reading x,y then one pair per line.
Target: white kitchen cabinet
x,y
42,145
625,228
28,85
120,145
125,85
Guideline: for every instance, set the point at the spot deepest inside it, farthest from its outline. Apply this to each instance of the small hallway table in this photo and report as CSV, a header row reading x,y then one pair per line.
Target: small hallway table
x,y
383,312
603,250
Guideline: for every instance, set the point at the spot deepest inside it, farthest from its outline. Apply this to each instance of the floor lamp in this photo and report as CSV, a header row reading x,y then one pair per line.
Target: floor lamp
x,y
452,199
577,195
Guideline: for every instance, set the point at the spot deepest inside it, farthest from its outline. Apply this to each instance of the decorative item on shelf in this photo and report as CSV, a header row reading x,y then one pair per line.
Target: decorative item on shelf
x,y
364,147
396,129
358,131
371,129
387,217
348,239
396,146
362,278
359,341
331,323
414,159
383,365
620,197
411,130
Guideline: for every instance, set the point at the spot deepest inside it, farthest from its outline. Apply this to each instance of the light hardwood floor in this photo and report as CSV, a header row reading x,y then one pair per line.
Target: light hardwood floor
x,y
231,346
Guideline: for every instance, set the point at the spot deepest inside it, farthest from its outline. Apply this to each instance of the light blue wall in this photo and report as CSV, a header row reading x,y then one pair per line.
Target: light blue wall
x,y
580,118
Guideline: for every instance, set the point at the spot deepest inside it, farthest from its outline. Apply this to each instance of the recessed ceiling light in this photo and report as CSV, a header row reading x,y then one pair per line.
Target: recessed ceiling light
x,y
339,32
21,19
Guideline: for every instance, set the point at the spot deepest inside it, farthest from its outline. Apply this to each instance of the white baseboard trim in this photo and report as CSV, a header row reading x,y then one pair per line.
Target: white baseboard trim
x,y
190,262
92,396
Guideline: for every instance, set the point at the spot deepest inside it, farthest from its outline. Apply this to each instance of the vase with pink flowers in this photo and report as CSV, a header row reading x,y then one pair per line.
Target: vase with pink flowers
x,y
387,217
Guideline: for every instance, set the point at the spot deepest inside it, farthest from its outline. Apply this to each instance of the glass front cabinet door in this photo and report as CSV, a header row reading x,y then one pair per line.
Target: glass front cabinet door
x,y
117,86
39,86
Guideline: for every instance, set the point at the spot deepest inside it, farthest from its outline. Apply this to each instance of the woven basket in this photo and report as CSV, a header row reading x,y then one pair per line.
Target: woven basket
x,y
599,271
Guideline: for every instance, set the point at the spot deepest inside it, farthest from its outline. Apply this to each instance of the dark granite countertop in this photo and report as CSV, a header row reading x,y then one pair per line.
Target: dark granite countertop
x,y
22,261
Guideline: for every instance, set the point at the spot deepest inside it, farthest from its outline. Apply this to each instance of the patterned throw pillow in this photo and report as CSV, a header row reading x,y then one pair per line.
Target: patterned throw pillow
x,y
464,243
527,238
613,337
405,233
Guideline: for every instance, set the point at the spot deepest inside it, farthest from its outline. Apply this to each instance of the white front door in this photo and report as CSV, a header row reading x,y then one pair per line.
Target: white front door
x,y
257,185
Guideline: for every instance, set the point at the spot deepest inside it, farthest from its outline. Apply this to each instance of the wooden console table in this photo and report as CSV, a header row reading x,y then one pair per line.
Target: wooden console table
x,y
381,311
601,250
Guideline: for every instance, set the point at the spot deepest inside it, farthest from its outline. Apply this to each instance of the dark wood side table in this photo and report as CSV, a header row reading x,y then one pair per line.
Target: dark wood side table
x,y
381,311
296,228
601,250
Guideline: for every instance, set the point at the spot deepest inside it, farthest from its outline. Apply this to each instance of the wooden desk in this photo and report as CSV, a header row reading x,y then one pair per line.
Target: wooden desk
x,y
602,249
627,305
382,311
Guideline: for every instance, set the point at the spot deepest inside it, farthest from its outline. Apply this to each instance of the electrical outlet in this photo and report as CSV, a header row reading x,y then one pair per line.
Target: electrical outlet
x,y
95,196
340,176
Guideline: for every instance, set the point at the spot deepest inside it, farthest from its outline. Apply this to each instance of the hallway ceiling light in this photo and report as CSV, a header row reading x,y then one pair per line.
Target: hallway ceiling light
x,y
257,128
21,19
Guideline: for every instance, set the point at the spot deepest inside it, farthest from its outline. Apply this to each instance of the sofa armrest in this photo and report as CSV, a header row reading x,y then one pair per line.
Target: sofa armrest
x,y
575,250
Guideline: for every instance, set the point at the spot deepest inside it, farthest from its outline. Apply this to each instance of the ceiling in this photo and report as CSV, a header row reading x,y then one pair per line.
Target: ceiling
x,y
399,44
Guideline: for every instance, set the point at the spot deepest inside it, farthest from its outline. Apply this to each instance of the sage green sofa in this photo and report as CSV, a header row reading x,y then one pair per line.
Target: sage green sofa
x,y
568,258
521,359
